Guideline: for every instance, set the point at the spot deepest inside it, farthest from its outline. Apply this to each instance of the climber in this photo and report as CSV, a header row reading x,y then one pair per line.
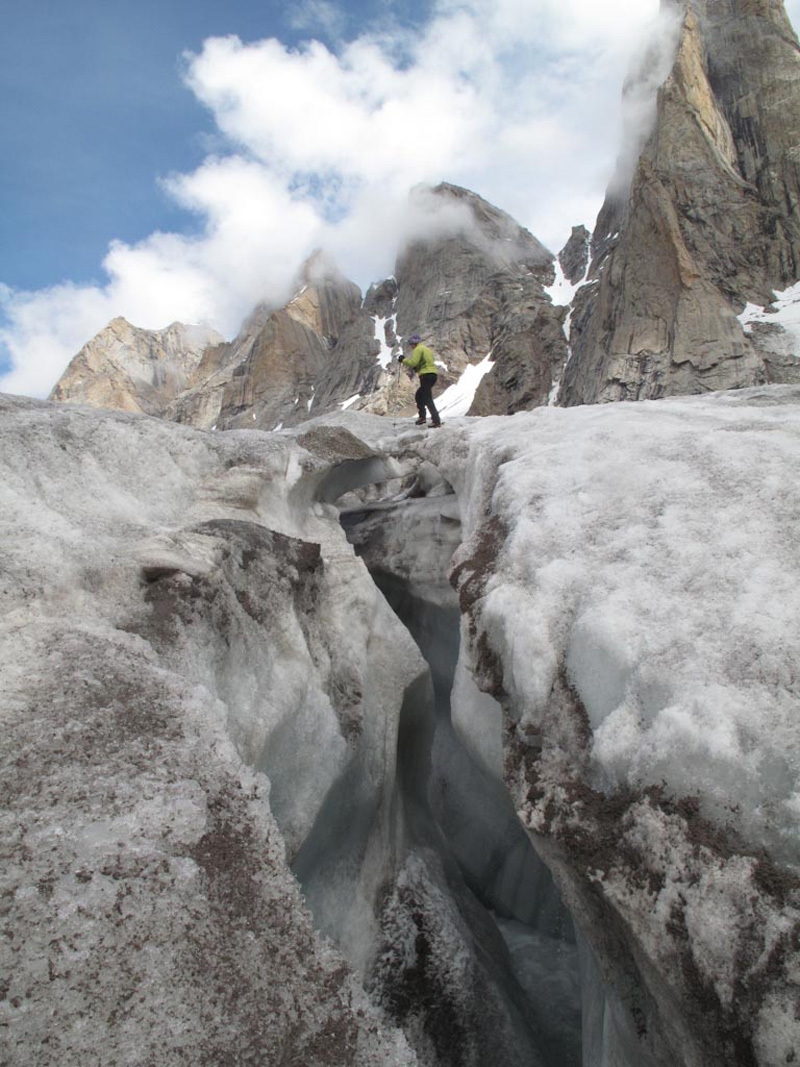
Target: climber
x,y
423,361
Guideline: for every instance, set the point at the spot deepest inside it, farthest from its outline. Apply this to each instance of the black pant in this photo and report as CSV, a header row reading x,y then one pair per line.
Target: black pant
x,y
424,396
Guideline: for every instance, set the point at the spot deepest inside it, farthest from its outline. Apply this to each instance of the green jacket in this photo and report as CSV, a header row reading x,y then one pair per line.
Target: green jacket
x,y
423,360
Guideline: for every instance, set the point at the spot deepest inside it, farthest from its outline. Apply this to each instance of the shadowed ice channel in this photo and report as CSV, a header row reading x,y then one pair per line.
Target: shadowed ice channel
x,y
471,948
479,828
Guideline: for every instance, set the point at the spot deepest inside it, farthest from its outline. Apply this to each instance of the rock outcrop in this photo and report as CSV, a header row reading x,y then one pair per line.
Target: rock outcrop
x,y
269,375
200,404
478,290
310,355
574,256
709,220
125,368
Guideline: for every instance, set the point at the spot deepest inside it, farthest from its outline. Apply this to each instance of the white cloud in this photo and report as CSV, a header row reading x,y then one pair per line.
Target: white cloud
x,y
318,16
255,238
516,99
41,332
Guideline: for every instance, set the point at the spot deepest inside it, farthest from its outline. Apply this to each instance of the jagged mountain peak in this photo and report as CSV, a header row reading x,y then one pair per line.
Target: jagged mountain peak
x,y
195,333
321,268
447,212
709,222
470,280
574,256
469,277
325,300
701,220
130,368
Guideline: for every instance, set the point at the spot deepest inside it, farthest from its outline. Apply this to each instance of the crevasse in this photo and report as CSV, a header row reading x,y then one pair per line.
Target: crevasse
x,y
472,951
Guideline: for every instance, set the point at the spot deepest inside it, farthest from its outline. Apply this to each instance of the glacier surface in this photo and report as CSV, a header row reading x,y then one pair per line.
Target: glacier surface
x,y
202,687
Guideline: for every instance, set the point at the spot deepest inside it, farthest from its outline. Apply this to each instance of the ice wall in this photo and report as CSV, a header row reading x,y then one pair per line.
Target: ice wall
x,y
174,622
200,680
630,578
468,863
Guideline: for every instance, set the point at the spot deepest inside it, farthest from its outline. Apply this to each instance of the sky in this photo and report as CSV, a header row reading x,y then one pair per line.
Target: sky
x,y
179,161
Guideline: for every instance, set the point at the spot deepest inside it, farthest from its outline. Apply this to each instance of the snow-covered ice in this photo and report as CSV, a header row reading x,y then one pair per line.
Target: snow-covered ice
x,y
652,554
165,697
630,578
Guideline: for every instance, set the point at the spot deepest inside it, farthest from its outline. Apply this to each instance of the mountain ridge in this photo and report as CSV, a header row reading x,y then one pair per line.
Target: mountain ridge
x,y
701,221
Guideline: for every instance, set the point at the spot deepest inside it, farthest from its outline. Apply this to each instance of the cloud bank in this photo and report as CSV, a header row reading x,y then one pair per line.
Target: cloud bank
x,y
518,100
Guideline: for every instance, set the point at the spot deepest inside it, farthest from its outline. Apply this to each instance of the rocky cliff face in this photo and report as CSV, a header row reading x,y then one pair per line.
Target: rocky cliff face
x,y
129,369
709,219
574,256
479,291
318,350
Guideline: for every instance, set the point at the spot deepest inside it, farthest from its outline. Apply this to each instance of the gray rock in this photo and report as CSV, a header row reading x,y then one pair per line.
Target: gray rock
x,y
296,354
479,289
574,256
708,221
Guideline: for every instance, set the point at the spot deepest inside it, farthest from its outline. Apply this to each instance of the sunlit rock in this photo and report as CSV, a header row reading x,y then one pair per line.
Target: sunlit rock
x,y
702,216
125,368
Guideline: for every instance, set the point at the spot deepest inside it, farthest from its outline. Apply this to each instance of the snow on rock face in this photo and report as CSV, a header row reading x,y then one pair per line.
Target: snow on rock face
x,y
632,579
457,399
775,331
155,638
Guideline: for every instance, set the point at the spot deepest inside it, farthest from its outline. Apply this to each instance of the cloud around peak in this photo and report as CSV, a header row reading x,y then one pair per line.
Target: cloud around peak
x,y
319,146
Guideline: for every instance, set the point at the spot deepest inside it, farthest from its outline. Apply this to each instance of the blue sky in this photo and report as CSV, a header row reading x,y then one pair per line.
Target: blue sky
x,y
94,110
178,160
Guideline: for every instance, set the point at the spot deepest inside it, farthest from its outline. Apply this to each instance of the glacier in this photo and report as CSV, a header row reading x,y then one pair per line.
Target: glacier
x,y
245,818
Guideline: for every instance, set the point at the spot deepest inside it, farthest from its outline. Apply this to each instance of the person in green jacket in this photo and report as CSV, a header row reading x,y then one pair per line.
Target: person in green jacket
x,y
423,361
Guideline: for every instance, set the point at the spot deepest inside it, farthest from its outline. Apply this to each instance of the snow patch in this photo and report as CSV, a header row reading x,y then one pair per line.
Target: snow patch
x,y
562,291
385,354
457,399
784,311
